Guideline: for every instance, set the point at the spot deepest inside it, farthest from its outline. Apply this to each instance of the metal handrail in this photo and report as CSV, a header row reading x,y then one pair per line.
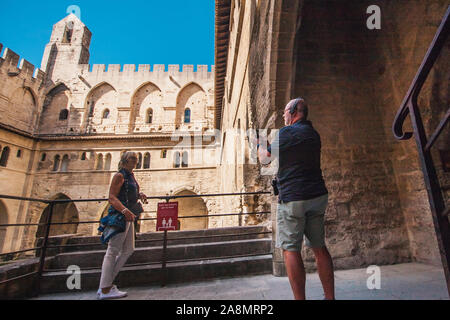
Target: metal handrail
x,y
141,219
2,196
410,107
19,251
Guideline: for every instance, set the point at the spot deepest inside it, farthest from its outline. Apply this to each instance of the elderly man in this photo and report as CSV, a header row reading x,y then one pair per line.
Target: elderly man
x,y
302,198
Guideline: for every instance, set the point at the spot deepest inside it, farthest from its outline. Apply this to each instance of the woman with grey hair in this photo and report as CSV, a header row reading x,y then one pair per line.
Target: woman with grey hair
x,y
118,227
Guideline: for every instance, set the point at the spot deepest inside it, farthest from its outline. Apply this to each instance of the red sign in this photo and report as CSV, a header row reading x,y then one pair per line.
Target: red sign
x,y
167,216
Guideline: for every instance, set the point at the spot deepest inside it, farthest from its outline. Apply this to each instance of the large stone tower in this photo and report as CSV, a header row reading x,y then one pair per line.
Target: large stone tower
x,y
68,47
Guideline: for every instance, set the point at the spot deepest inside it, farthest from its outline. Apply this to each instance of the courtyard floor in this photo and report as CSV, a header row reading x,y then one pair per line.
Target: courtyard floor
x,y
409,281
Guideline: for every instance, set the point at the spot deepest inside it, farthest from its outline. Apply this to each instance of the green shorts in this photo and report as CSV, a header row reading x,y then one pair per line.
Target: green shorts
x,y
296,219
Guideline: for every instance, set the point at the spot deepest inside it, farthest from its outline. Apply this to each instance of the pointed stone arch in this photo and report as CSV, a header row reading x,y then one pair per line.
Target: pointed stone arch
x,y
108,159
191,96
3,220
24,103
147,96
56,100
65,163
102,96
62,212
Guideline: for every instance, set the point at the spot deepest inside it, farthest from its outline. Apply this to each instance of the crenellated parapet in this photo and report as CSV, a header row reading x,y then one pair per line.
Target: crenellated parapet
x,y
129,70
21,92
9,62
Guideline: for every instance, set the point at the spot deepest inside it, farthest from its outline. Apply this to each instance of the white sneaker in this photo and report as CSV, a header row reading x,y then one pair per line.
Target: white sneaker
x,y
100,290
114,287
113,293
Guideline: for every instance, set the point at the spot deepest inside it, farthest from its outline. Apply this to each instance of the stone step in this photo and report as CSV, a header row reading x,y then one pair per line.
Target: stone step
x,y
54,282
156,238
94,259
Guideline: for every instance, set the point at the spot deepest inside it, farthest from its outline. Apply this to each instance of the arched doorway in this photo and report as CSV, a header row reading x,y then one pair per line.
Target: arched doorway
x,y
191,207
3,220
62,212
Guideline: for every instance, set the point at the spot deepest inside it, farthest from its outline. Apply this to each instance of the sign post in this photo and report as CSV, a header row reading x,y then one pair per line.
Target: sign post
x,y
167,219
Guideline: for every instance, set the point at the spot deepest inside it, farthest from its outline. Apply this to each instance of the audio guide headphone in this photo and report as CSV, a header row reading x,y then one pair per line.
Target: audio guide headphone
x,y
294,106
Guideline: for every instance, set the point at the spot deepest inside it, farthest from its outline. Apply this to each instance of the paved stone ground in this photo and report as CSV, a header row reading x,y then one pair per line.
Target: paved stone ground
x,y
398,282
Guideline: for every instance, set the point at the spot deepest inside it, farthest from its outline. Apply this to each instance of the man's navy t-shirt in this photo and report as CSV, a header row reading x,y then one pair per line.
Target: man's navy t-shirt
x,y
299,173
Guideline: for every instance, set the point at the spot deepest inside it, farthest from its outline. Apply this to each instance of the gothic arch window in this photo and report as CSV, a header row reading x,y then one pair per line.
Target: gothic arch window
x,y
99,162
147,161
65,163
83,156
139,164
176,160
187,115
149,117
4,157
63,114
105,114
56,162
185,159
108,162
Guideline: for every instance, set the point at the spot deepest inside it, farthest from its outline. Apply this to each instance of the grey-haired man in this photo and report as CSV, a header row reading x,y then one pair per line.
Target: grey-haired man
x,y
303,197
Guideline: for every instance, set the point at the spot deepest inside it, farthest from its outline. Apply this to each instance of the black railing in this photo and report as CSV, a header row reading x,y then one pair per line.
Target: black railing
x,y
42,248
409,107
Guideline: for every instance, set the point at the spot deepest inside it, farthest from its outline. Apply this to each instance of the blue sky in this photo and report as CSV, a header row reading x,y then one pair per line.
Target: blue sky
x,y
124,32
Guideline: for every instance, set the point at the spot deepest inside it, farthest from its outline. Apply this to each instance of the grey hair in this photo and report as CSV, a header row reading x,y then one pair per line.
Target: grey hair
x,y
301,107
124,158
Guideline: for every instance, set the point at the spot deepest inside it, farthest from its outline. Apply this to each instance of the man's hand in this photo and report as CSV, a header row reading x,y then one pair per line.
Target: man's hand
x,y
263,155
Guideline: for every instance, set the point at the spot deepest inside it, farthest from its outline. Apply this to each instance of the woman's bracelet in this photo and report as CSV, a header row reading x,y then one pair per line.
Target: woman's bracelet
x,y
124,210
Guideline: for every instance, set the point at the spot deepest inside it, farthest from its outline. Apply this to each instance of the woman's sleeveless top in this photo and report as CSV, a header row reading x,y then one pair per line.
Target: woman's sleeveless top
x,y
129,192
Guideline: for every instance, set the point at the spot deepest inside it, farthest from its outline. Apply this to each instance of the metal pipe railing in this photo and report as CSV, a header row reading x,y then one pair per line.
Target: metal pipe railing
x,y
142,219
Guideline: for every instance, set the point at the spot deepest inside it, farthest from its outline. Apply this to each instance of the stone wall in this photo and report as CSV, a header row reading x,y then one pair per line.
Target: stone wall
x,y
400,49
365,222
354,80
15,180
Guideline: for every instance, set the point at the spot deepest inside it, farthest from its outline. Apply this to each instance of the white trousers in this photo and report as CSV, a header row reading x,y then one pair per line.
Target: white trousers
x,y
120,248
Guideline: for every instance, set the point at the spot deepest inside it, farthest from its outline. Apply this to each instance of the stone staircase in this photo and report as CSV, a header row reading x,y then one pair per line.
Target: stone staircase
x,y
208,254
